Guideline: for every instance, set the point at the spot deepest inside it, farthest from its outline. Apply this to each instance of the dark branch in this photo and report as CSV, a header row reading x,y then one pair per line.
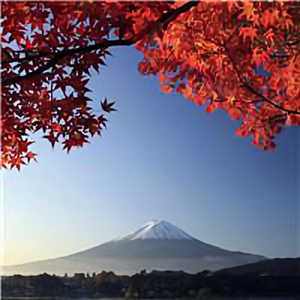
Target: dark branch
x,y
165,19
29,56
293,43
279,119
255,92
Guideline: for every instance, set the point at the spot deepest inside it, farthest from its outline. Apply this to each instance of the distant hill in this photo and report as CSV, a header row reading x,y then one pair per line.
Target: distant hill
x,y
157,245
271,267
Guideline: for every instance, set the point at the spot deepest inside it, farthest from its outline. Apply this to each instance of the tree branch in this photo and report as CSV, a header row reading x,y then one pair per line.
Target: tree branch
x,y
164,20
29,56
251,89
293,43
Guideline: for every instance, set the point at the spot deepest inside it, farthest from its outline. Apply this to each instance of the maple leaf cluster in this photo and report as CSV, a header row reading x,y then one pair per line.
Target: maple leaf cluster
x,y
242,57
44,86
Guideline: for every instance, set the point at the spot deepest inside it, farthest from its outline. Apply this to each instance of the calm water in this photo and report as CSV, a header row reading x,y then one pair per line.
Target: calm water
x,y
57,298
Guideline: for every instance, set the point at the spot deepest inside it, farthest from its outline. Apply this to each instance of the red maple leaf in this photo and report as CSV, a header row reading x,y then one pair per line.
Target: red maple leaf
x,y
107,107
30,155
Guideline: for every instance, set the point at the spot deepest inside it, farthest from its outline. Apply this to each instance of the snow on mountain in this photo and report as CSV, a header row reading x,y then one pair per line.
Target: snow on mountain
x,y
157,230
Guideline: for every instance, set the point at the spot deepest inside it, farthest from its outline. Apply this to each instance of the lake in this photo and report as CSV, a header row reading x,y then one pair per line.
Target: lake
x,y
212,298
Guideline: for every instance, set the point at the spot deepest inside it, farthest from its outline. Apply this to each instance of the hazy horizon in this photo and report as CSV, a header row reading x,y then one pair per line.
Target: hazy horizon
x,y
146,242
161,157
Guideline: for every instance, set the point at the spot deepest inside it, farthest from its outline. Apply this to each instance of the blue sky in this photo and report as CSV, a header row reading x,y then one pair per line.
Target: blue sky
x,y
161,157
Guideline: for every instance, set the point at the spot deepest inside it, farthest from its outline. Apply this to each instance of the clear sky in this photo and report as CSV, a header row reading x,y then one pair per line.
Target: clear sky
x,y
162,157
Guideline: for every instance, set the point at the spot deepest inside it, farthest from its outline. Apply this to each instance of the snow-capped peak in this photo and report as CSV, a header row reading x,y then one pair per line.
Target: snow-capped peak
x,y
158,230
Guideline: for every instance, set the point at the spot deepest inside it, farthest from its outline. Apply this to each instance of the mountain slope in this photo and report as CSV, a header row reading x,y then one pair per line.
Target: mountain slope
x,y
272,267
157,245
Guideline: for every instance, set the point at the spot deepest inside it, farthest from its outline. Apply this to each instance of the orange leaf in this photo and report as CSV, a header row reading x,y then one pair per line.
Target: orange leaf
x,y
209,108
181,88
234,113
214,95
166,89
199,100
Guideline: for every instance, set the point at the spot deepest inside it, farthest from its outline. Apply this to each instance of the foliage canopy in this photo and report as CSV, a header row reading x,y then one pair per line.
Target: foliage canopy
x,y
241,57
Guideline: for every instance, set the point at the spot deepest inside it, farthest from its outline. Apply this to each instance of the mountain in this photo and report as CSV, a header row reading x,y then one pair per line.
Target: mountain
x,y
271,267
158,245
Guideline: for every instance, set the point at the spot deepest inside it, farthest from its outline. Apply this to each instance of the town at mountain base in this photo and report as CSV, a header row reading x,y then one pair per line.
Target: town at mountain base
x,y
276,279
158,245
